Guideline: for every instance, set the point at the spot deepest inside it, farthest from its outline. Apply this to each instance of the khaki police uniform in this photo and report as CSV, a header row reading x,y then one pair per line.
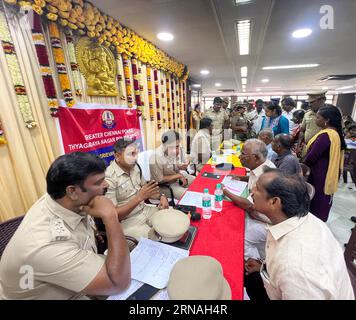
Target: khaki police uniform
x,y
311,129
52,255
219,119
122,188
161,166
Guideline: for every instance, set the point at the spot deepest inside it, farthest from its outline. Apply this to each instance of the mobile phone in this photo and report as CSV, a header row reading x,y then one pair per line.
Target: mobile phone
x,y
211,175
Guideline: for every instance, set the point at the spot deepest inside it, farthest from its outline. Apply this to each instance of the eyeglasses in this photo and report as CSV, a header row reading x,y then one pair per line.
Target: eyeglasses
x,y
247,155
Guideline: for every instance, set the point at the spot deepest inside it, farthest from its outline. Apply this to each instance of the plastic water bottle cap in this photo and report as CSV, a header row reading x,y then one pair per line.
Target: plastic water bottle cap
x,y
218,186
206,190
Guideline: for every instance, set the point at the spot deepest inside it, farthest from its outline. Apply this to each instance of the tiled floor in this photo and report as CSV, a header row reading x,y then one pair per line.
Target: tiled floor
x,y
344,207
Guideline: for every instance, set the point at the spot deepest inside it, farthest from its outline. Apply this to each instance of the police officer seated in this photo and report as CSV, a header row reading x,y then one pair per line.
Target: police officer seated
x,y
128,190
167,165
53,253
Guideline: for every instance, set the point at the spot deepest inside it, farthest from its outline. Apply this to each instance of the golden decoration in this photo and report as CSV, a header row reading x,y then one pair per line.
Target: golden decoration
x,y
97,64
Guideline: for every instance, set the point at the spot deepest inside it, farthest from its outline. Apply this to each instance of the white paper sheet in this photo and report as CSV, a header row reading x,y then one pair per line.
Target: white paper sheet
x,y
234,186
152,262
229,152
135,285
192,198
219,159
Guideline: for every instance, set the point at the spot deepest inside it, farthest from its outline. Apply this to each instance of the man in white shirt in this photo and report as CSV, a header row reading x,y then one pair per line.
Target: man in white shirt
x,y
253,156
261,114
289,106
200,151
303,259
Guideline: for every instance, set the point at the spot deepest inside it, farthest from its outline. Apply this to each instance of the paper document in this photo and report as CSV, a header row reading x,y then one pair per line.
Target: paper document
x,y
192,198
234,186
152,262
135,285
219,159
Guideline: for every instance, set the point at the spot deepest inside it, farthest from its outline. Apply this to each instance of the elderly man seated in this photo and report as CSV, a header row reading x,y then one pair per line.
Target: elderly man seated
x,y
53,253
285,161
253,156
166,165
298,265
200,150
266,135
128,190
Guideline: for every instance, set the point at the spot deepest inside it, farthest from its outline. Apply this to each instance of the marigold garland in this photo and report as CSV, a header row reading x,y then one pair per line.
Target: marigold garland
x,y
184,102
121,77
163,97
45,69
157,96
169,105
86,19
15,72
142,92
60,63
73,63
150,96
173,102
129,96
136,84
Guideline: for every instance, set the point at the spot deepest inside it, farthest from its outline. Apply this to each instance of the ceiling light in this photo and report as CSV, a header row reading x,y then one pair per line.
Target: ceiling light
x,y
244,80
165,36
205,72
296,66
265,80
217,84
196,85
302,33
258,89
244,72
243,86
239,2
344,88
244,34
325,88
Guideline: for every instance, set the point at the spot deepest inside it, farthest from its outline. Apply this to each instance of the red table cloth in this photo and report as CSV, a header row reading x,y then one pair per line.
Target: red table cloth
x,y
222,236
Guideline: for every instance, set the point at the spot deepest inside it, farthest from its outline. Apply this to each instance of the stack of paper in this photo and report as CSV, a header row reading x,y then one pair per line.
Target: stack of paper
x,y
234,186
192,198
152,262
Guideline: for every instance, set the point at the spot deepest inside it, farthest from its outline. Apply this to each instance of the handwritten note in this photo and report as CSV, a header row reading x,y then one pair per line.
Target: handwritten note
x,y
152,262
192,198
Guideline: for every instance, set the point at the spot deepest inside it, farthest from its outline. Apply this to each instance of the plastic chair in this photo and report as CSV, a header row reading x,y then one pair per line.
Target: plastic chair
x,y
7,230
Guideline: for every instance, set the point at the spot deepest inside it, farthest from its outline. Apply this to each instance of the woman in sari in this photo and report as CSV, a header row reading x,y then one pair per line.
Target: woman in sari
x,y
325,158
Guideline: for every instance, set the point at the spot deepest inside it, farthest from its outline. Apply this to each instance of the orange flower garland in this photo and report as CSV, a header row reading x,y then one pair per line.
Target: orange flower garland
x,y
60,63
86,19
126,63
149,89
169,105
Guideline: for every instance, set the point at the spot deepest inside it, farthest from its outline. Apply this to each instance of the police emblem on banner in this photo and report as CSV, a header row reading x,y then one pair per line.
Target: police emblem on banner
x,y
108,119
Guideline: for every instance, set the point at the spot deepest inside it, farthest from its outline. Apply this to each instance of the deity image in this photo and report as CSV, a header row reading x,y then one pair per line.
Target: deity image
x,y
97,64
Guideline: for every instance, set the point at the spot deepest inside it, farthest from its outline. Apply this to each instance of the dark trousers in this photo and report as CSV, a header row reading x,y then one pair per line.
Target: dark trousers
x,y
255,288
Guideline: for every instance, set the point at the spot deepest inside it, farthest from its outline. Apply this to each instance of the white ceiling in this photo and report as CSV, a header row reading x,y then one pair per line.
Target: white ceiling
x,y
205,38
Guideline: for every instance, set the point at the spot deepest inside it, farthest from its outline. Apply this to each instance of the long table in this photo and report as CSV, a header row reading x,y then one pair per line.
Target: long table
x,y
222,236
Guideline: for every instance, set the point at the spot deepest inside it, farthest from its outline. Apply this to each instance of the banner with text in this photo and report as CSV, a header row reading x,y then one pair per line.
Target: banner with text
x,y
94,128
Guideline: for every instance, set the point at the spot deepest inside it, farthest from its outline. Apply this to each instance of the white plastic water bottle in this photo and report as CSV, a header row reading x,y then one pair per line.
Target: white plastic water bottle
x,y
206,204
218,198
